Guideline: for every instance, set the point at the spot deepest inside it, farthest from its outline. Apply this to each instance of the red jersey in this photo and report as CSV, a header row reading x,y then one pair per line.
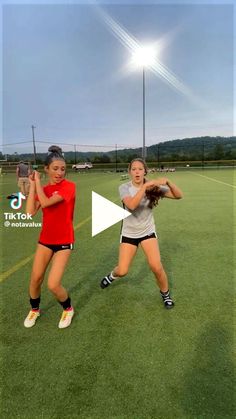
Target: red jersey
x,y
58,218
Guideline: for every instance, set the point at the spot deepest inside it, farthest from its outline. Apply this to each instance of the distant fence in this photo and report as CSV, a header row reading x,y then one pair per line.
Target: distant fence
x,y
10,167
198,151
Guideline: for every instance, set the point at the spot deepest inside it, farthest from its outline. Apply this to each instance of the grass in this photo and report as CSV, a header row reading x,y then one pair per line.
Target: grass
x,y
125,356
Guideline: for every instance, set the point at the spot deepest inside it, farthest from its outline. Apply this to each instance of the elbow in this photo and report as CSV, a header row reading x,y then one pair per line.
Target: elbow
x,y
131,207
28,210
44,203
30,214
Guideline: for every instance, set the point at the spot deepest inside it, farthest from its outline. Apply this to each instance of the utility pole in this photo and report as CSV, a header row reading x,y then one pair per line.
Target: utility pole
x,y
203,154
158,155
75,153
33,127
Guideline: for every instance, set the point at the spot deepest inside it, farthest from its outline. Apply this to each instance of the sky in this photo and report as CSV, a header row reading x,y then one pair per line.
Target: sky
x,y
67,71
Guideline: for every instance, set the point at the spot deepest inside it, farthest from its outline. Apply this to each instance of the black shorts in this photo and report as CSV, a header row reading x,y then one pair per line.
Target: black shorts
x,y
138,240
56,247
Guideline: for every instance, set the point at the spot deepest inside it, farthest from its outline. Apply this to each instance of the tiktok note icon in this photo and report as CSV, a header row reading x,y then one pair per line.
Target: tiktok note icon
x,y
17,200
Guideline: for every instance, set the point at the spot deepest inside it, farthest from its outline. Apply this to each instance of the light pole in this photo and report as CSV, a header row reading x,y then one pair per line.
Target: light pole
x,y
144,57
144,120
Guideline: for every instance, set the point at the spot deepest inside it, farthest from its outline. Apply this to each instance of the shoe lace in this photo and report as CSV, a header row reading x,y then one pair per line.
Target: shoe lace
x,y
32,315
64,315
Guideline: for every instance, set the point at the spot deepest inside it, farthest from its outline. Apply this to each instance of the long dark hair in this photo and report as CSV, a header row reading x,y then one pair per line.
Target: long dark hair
x,y
154,194
54,153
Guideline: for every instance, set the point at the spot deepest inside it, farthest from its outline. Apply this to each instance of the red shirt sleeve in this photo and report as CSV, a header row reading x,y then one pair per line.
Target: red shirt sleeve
x,y
67,191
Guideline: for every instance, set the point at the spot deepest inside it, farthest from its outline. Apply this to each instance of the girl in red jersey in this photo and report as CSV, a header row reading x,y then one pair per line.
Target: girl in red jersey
x,y
56,239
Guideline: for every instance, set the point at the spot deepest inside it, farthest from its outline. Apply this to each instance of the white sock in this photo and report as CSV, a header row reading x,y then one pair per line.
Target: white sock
x,y
113,276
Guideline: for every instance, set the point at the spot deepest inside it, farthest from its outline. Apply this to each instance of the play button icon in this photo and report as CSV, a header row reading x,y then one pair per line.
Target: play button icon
x,y
105,213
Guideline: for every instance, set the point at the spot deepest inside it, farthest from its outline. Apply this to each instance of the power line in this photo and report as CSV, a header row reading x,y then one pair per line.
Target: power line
x,y
71,144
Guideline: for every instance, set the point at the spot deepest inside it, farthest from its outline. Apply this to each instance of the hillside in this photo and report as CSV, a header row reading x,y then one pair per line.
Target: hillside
x,y
197,148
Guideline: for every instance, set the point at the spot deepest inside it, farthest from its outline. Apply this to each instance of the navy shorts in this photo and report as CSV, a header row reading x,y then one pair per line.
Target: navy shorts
x,y
56,247
138,240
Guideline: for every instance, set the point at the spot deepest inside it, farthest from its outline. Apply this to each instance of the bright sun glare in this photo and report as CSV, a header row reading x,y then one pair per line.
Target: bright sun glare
x,y
144,56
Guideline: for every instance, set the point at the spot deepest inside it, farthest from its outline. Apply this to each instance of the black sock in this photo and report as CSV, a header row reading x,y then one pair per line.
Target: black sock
x,y
66,304
34,302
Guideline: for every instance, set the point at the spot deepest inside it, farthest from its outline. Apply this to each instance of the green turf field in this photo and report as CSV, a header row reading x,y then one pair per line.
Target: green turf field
x,y
124,355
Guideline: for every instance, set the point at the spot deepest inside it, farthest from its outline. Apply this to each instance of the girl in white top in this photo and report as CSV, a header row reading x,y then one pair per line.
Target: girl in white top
x,y
138,197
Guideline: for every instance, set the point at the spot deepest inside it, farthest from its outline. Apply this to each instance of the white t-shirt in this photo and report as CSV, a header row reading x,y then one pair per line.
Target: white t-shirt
x,y
141,222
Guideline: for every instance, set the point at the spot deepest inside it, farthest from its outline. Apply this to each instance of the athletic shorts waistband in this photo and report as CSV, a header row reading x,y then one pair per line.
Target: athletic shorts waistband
x,y
57,247
136,241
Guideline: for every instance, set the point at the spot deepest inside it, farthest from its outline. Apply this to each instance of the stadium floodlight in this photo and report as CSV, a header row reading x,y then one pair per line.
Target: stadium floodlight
x,y
144,56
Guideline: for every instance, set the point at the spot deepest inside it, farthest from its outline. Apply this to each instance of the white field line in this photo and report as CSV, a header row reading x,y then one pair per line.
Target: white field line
x,y
215,180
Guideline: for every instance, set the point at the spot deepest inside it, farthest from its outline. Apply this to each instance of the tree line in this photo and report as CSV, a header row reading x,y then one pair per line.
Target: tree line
x,y
187,149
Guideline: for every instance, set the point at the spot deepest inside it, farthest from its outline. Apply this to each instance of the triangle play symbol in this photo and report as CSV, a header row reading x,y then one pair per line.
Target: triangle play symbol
x,y
105,213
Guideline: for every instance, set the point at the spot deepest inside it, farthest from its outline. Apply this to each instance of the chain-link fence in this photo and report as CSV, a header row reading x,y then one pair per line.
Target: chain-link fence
x,y
200,152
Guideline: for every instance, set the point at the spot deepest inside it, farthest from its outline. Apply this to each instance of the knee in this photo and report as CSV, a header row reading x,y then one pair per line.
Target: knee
x,y
53,287
36,279
157,269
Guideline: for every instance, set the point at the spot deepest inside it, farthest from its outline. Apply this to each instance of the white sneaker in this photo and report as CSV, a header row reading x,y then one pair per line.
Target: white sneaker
x,y
31,318
66,318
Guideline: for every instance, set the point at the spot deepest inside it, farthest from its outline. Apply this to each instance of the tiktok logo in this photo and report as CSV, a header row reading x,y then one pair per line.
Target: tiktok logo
x,y
16,202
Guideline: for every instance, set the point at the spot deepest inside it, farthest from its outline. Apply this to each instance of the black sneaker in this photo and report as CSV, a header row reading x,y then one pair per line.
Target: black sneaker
x,y
167,300
106,281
